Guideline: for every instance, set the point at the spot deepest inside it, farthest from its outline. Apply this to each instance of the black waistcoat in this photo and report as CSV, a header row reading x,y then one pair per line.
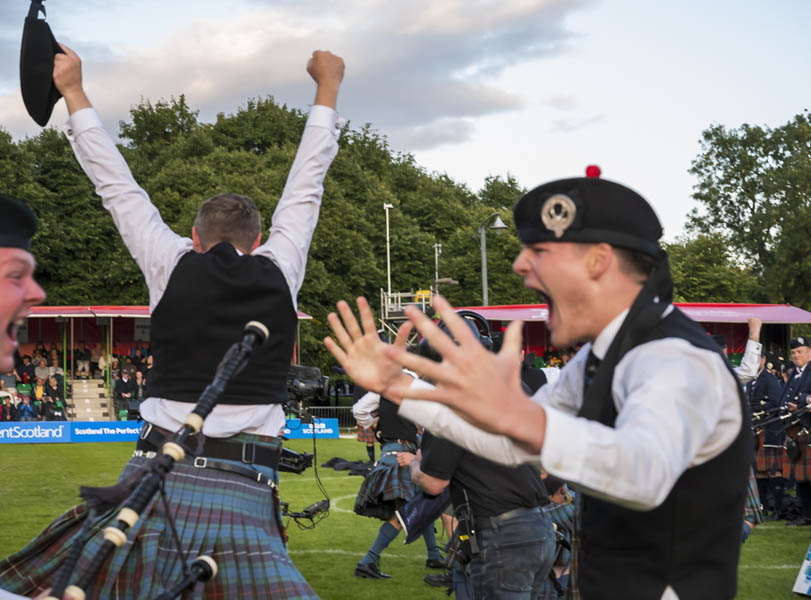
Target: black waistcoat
x,y
208,300
690,542
391,426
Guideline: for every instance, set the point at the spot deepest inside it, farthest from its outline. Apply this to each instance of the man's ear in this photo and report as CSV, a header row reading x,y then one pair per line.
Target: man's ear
x,y
198,247
598,259
256,242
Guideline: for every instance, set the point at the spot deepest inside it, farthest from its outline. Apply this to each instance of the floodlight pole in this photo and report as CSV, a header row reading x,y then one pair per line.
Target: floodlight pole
x,y
386,207
498,225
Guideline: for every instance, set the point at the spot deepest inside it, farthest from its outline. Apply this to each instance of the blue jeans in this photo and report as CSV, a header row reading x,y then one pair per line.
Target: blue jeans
x,y
515,556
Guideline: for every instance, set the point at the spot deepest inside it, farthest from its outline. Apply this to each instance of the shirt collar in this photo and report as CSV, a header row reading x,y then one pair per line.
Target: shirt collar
x,y
600,345
607,335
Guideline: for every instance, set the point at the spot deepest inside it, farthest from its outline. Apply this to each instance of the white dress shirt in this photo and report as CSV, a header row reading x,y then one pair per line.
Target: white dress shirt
x,y
750,362
157,249
363,408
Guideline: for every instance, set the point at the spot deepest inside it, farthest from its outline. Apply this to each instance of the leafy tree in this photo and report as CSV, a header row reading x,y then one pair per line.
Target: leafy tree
x,y
703,270
755,191
180,162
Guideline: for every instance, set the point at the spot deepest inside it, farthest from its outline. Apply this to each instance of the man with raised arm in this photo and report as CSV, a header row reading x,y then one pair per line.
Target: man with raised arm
x,y
648,420
202,291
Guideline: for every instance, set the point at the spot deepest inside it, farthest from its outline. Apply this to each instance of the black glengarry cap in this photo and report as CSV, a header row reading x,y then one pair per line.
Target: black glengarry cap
x,y
18,223
37,64
799,342
588,210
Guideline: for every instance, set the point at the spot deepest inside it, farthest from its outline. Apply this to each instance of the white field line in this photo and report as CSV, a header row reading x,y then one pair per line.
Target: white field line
x,y
335,501
793,567
387,554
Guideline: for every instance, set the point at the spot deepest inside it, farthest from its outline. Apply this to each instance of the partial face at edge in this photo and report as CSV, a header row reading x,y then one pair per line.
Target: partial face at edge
x,y
800,356
18,293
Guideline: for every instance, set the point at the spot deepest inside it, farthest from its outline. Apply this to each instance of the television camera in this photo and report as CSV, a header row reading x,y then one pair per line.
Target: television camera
x,y
306,386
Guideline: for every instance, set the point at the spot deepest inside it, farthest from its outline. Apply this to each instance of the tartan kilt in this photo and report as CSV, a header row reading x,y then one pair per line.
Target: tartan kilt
x,y
802,468
770,460
752,510
387,486
366,435
226,516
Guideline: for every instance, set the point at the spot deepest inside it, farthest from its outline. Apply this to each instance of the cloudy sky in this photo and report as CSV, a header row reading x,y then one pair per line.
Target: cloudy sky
x,y
535,88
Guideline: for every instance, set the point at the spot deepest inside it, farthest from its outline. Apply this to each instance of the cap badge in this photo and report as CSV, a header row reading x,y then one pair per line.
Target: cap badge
x,y
558,213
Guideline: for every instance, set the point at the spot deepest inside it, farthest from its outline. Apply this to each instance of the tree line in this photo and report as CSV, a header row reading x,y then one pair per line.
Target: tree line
x,y
749,243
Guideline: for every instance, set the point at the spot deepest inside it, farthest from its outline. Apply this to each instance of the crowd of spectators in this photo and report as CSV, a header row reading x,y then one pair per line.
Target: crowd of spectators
x,y
35,390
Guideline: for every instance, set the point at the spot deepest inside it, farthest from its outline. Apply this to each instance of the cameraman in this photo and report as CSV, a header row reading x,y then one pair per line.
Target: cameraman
x,y
500,508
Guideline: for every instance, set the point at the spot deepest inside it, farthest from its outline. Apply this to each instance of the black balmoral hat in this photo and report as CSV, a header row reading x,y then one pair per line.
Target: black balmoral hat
x,y
18,223
588,210
798,342
37,64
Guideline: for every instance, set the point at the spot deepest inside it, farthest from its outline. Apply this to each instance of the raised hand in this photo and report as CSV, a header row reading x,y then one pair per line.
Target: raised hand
x,y
67,78
483,387
327,70
360,350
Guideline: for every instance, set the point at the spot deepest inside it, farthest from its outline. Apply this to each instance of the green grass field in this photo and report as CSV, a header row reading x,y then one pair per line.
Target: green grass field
x,y
41,481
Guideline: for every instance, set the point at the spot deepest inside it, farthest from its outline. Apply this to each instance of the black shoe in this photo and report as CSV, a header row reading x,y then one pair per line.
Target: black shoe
x,y
370,571
435,563
443,580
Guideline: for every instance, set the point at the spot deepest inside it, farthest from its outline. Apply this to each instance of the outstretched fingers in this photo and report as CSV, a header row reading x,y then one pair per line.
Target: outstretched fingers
x,y
456,324
349,320
367,319
336,351
338,330
511,346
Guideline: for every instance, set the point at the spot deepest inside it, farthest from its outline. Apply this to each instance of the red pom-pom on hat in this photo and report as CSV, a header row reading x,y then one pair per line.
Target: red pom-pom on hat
x,y
593,171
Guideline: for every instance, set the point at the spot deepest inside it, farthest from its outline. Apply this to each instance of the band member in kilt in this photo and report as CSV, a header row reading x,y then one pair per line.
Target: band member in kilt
x,y
202,290
763,393
796,396
388,485
746,373
660,455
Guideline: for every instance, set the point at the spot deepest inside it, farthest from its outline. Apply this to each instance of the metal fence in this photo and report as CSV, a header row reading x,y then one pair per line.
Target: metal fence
x,y
342,413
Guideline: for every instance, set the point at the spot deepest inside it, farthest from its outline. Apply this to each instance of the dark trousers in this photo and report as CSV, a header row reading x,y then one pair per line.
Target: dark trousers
x,y
515,556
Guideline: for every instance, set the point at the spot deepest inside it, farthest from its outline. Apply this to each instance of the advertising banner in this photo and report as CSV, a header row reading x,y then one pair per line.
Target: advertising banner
x,y
324,429
76,432
105,431
36,432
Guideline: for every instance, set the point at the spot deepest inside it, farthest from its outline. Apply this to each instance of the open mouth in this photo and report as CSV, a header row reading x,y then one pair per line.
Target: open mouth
x,y
545,299
13,328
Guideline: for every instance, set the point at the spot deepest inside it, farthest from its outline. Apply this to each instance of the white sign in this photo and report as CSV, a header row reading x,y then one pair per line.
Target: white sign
x,y
141,329
803,583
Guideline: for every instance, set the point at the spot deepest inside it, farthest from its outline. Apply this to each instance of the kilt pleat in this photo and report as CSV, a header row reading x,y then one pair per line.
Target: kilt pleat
x,y
802,468
770,460
366,435
226,516
387,486
752,511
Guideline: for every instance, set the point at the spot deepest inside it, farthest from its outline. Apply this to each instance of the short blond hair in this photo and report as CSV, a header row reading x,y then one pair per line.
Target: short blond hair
x,y
228,218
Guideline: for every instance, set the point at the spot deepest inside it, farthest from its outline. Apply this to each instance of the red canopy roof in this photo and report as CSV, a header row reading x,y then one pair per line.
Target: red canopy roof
x,y
105,311
703,312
